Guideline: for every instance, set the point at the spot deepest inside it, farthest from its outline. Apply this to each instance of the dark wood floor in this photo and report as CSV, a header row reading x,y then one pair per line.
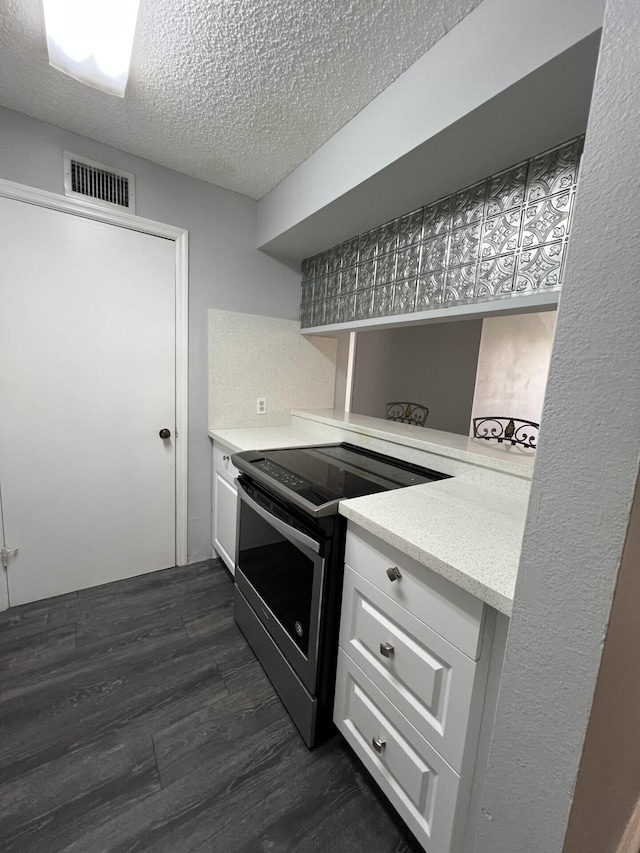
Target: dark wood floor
x,y
133,717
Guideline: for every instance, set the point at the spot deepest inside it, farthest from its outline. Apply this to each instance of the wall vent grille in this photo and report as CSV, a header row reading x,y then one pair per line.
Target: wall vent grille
x,y
98,183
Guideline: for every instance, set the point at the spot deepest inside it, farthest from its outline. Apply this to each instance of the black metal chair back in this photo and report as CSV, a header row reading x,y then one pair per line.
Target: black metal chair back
x,y
503,429
407,413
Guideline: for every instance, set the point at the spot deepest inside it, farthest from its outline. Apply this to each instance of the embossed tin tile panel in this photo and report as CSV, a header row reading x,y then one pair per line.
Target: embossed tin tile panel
x,y
501,233
382,300
500,238
306,315
434,252
349,252
437,218
464,245
430,291
348,279
385,269
366,275
404,296
388,238
554,171
468,204
506,190
346,307
331,314
368,246
410,229
540,267
460,283
334,261
546,220
496,276
320,289
408,263
317,313
333,285
363,304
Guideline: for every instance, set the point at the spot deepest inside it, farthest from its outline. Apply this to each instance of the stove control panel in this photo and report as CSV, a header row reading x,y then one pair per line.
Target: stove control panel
x,y
276,472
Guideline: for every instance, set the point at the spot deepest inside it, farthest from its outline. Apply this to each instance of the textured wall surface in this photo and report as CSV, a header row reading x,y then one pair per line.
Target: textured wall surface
x,y
513,364
503,237
225,270
433,365
608,785
584,477
251,356
236,93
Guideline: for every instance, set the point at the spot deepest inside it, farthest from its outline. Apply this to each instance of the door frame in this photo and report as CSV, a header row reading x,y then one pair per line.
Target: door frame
x,y
180,237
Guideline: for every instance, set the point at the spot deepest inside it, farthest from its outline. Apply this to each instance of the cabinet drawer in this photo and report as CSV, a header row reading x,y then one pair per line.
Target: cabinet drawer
x,y
450,611
417,781
429,680
222,461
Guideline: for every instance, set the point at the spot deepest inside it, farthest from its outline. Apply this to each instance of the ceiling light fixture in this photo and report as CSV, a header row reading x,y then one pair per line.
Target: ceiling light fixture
x,y
91,40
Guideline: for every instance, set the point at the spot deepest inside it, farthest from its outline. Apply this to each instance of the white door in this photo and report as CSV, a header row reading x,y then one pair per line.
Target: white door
x,y
87,380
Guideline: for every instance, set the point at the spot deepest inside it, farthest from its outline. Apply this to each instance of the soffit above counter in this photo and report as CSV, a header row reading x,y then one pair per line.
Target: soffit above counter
x,y
495,104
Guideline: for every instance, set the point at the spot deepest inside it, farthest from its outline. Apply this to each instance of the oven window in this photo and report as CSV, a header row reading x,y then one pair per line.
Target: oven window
x,y
279,572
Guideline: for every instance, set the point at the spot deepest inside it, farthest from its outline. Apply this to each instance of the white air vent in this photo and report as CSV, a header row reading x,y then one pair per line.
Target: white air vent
x,y
98,183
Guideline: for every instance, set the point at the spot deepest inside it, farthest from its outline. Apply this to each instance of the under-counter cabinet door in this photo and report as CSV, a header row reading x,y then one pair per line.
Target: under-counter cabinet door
x,y
225,506
429,680
418,782
226,510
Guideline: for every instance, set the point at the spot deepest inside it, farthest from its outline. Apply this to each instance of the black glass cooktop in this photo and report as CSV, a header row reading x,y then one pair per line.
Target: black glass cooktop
x,y
331,472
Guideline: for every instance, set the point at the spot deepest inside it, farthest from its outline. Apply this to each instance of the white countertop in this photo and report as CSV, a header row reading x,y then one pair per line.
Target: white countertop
x,y
261,438
465,532
468,534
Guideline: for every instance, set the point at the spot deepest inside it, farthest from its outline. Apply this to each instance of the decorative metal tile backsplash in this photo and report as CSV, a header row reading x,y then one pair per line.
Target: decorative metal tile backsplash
x,y
501,238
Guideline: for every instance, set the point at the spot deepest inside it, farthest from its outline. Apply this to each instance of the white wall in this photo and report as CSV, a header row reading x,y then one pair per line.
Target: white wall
x,y
583,483
342,367
513,364
252,356
225,270
434,365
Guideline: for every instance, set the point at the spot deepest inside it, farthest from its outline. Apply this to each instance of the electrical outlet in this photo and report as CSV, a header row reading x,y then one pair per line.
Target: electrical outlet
x,y
261,405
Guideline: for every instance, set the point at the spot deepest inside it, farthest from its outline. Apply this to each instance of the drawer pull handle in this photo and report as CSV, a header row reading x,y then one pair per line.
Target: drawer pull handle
x,y
393,573
378,744
386,650
225,458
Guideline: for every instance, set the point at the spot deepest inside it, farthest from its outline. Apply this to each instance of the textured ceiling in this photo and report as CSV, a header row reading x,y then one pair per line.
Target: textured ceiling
x,y
234,92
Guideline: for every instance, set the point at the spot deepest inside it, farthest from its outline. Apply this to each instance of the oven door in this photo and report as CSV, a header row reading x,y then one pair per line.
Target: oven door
x,y
280,569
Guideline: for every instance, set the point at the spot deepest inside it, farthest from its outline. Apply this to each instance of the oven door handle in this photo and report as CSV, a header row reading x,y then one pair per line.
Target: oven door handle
x,y
281,526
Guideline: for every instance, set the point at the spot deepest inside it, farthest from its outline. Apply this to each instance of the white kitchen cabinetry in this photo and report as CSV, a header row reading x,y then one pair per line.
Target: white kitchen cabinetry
x,y
412,675
225,505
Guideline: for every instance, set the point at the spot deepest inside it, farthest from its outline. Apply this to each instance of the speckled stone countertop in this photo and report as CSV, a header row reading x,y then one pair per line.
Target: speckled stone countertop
x,y
468,534
261,438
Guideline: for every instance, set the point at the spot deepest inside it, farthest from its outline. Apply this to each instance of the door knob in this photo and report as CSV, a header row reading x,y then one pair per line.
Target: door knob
x,y
165,433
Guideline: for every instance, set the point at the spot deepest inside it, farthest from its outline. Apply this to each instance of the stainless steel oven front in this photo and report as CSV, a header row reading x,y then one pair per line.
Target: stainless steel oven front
x,y
288,580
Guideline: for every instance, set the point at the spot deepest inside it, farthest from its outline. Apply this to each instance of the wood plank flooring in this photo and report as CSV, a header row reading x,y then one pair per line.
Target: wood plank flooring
x,y
134,717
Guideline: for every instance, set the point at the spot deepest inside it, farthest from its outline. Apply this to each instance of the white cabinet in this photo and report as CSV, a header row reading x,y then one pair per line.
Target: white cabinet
x,y
412,674
225,505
